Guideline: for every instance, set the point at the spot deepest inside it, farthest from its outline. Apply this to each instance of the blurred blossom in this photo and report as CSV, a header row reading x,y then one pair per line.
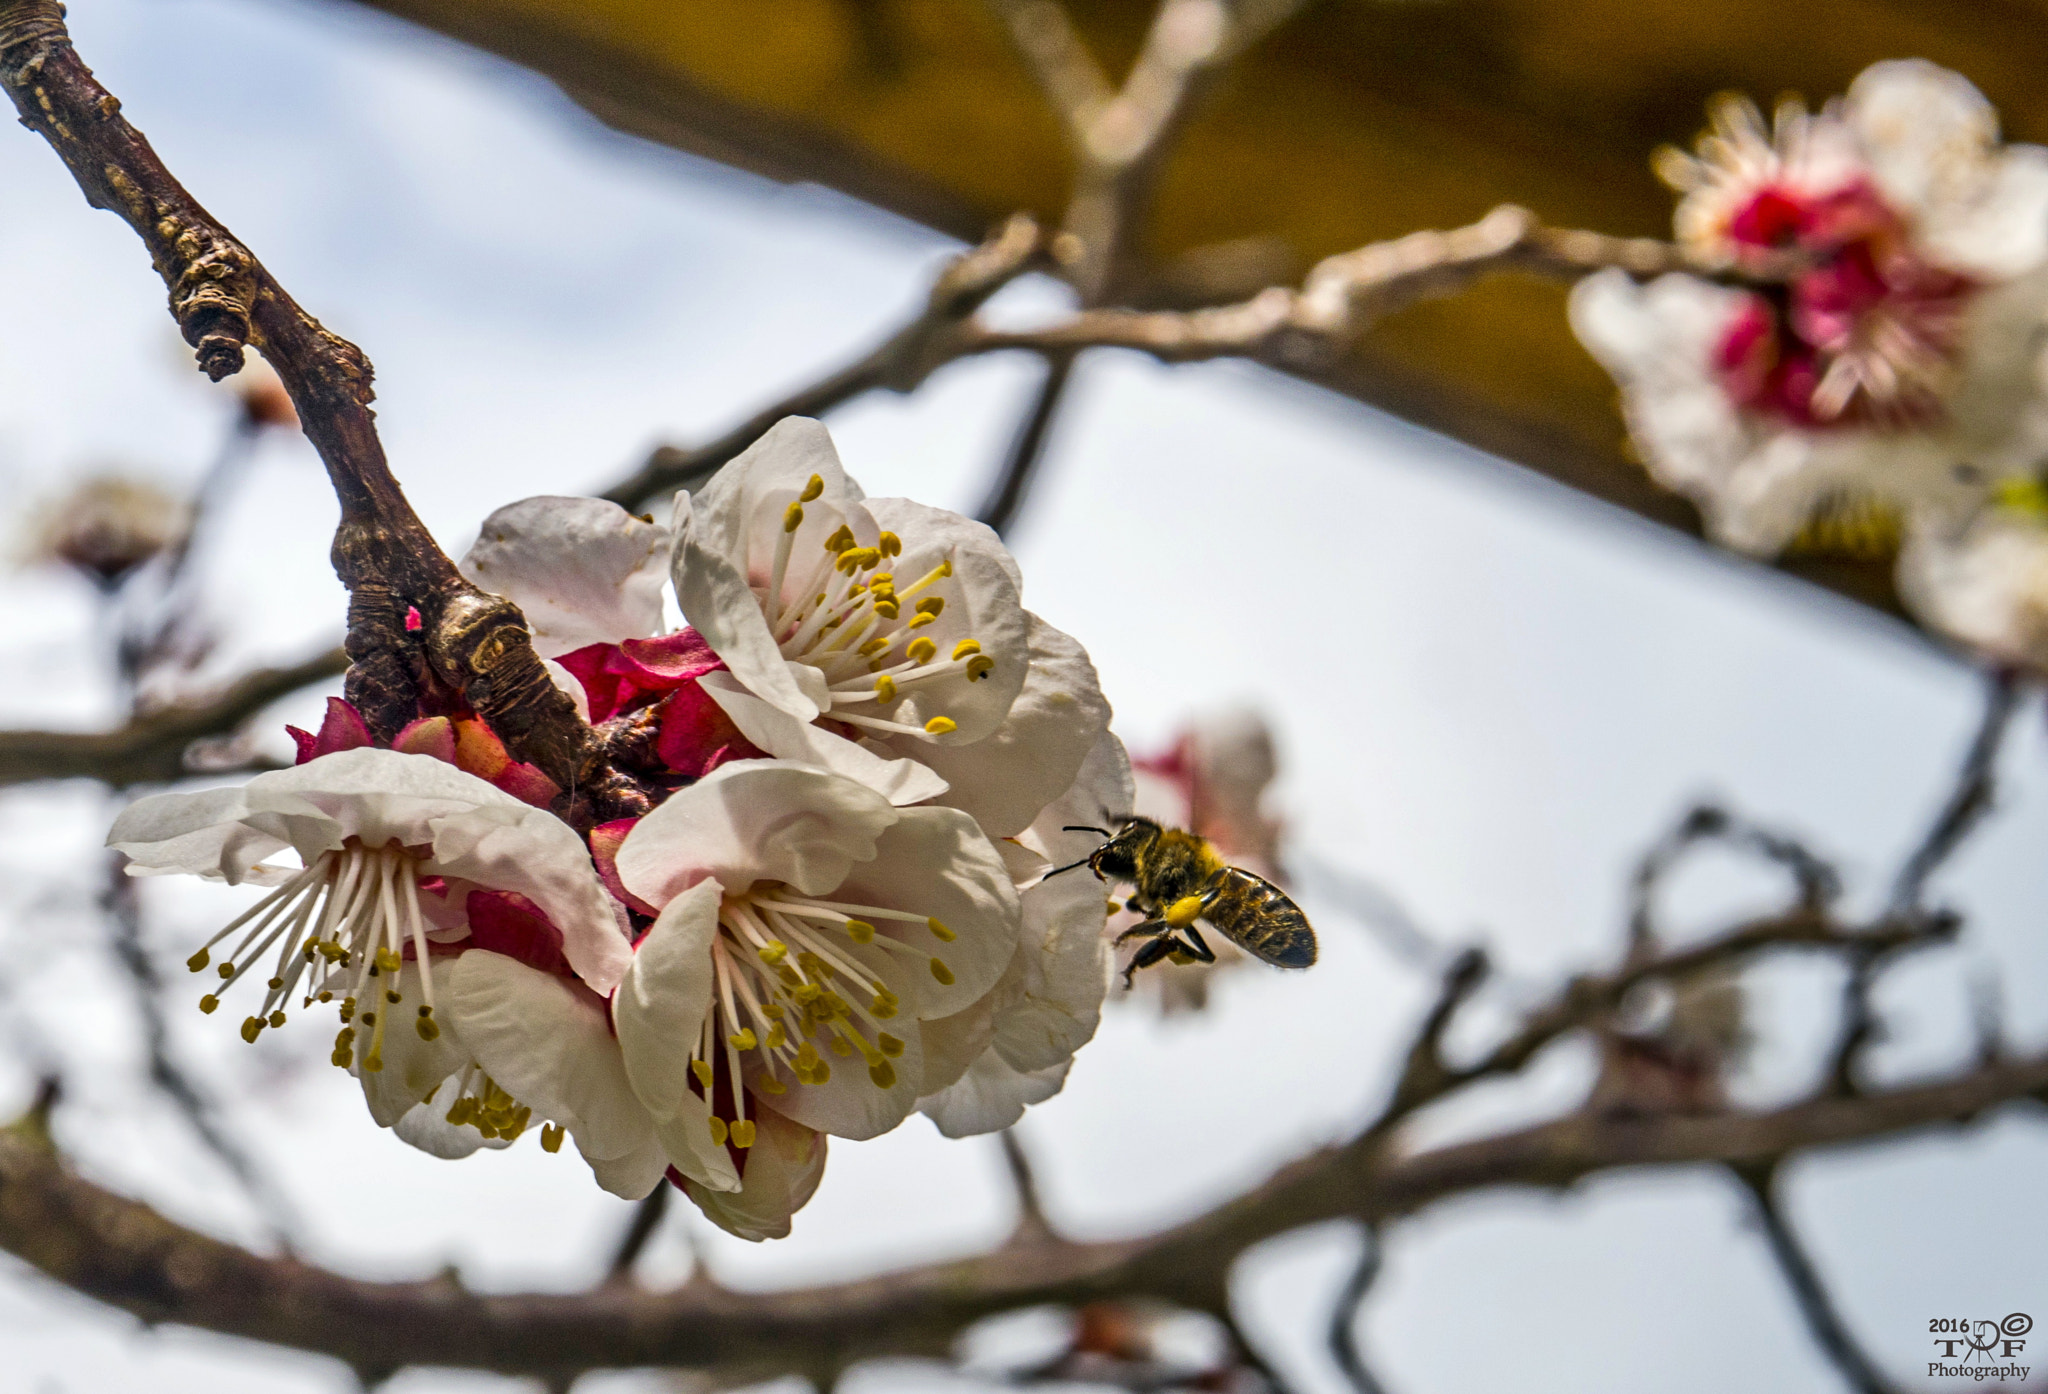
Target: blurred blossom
x,y
1678,1052
265,403
1899,362
1212,781
107,527
1984,582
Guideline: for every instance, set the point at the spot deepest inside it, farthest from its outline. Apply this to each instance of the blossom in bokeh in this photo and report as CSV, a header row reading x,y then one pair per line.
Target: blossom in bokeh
x,y
107,527
1983,581
1889,351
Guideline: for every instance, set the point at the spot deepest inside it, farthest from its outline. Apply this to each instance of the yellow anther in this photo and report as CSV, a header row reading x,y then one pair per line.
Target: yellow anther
x,y
966,648
777,1037
551,1137
813,489
198,960
840,540
858,559
701,1069
792,517
743,1133
888,609
921,619
393,996
945,935
227,970
979,667
772,1010
772,1086
325,996
743,1039
208,1003
390,962
773,952
252,1028
274,984
374,1061
822,1074
883,582
429,1029
891,544
867,650
860,931
921,651
277,1019
807,993
889,1044
369,1018
883,1074
348,1008
885,688
838,1046
884,1005
461,1112
1111,907
941,725
1183,912
341,1059
931,605
942,972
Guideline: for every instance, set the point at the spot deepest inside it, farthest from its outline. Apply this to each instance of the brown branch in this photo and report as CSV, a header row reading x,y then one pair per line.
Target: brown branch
x,y
1020,467
1032,1225
1808,1290
899,363
1342,1337
223,300
123,1253
647,1217
150,748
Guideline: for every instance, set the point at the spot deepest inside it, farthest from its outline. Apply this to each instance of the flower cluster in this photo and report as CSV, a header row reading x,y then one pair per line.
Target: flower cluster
x,y
1883,372
864,753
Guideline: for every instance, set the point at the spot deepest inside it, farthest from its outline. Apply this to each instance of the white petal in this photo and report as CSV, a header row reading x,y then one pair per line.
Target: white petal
x,y
583,571
901,781
426,1126
784,1167
953,1043
936,862
630,1176
725,546
686,1141
990,1096
659,1008
1986,586
546,1041
754,820
1005,779
413,1068
981,604
198,833
849,1104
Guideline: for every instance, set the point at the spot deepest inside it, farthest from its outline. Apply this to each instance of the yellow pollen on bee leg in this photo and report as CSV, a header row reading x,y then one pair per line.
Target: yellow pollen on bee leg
x,y
551,1137
941,725
942,972
921,650
743,1133
1183,912
944,935
792,517
813,489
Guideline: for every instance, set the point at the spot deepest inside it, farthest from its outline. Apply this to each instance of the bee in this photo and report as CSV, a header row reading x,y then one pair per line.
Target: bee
x,y
1178,878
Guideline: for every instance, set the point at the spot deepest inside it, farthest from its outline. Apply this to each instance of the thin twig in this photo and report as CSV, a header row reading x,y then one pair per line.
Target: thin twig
x,y
1830,1332
647,1217
1032,1225
1343,1334
123,910
1970,797
1020,468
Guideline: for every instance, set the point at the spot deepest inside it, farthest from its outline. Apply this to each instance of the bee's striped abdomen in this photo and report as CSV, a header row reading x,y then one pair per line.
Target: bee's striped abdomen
x,y
1259,918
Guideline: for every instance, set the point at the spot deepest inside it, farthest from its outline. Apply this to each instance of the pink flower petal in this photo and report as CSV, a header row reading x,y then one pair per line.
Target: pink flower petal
x,y
510,924
696,735
526,783
342,729
604,851
430,735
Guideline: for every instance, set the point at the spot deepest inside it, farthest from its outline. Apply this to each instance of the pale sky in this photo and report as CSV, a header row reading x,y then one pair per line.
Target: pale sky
x,y
1490,696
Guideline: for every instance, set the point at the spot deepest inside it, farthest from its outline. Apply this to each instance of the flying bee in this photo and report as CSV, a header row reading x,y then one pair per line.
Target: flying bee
x,y
1178,878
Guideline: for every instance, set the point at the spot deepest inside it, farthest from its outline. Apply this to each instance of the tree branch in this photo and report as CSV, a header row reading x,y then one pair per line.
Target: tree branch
x,y
123,1253
1013,482
1808,1290
150,748
223,300
1343,1334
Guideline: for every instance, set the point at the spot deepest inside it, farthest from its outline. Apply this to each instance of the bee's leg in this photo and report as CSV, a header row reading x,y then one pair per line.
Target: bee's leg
x,y
1196,949
1143,931
1152,953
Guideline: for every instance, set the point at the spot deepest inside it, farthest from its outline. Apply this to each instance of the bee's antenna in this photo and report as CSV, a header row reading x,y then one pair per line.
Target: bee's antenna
x,y
1070,866
1086,828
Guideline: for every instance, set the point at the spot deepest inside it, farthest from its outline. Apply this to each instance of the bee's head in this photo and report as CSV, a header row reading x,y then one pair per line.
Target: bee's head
x,y
1117,859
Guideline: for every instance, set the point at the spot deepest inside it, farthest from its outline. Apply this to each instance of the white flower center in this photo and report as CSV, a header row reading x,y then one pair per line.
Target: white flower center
x,y
784,984
845,619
